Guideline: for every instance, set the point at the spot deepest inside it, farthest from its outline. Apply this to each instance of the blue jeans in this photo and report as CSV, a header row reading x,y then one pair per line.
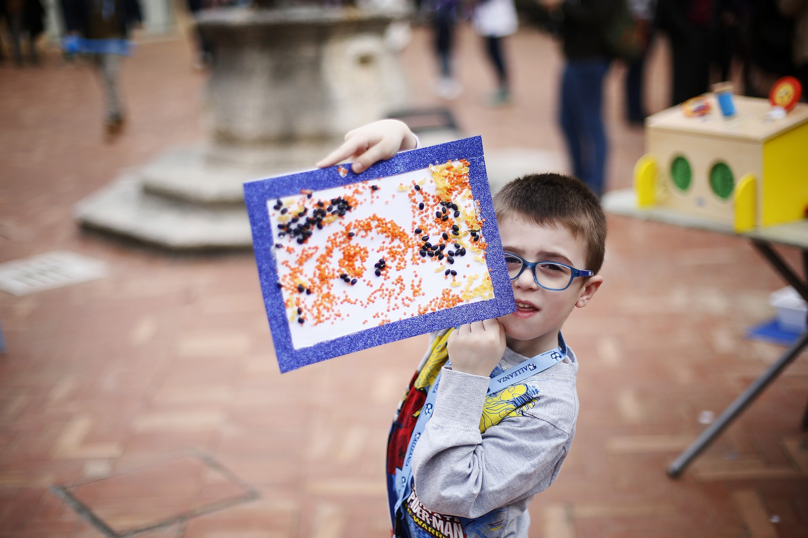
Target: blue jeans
x,y
635,112
581,118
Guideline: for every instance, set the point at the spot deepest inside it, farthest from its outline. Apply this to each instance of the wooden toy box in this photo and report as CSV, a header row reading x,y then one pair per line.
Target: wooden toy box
x,y
747,171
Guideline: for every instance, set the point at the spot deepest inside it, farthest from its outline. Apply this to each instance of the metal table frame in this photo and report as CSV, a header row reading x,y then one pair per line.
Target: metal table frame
x,y
793,235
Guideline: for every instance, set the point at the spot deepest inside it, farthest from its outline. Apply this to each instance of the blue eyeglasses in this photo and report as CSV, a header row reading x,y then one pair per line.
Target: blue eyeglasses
x,y
551,276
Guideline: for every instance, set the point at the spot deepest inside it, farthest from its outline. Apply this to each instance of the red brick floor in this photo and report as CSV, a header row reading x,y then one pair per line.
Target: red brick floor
x,y
154,394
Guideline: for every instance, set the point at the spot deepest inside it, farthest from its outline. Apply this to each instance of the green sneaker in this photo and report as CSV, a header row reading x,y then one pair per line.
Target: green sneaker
x,y
501,97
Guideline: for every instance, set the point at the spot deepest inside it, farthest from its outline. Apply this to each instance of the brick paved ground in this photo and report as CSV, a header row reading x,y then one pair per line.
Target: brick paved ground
x,y
154,392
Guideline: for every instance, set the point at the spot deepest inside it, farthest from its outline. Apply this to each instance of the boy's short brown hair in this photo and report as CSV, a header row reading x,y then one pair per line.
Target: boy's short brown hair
x,y
553,199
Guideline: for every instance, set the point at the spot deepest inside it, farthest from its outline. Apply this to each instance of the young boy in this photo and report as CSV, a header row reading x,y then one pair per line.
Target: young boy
x,y
490,414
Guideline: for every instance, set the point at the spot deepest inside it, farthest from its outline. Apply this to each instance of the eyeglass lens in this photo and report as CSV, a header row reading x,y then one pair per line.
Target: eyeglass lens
x,y
548,274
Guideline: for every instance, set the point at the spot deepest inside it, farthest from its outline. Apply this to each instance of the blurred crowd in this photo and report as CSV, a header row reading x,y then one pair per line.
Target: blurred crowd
x,y
711,40
25,22
751,42
768,39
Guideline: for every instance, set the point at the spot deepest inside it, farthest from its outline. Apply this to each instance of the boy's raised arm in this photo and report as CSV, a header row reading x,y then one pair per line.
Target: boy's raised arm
x,y
373,142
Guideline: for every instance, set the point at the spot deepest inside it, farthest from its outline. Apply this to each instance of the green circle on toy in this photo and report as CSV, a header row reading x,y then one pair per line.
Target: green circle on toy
x,y
721,180
681,173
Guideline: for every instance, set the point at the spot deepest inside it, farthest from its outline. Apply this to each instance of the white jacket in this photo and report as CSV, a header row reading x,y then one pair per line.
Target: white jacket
x,y
495,18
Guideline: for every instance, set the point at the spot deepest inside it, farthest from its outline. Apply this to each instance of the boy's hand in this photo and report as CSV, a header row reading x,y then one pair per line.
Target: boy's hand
x,y
476,348
373,142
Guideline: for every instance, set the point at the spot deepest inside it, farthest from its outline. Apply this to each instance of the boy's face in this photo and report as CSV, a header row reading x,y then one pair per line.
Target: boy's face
x,y
540,313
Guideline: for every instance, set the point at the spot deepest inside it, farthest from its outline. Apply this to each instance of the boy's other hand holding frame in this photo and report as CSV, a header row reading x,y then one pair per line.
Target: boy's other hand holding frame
x,y
476,348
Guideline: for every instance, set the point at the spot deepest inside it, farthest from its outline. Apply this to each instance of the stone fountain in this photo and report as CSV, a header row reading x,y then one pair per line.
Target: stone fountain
x,y
287,83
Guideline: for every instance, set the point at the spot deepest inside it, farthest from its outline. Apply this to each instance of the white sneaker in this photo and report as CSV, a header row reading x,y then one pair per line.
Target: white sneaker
x,y
448,89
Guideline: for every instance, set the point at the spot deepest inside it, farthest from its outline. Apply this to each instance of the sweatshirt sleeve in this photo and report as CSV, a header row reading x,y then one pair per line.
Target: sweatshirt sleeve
x,y
459,471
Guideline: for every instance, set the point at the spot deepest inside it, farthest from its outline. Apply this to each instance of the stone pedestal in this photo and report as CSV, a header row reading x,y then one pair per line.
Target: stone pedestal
x,y
299,74
286,86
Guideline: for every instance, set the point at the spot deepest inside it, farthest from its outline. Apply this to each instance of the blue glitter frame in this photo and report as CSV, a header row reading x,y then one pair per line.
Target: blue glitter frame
x,y
257,193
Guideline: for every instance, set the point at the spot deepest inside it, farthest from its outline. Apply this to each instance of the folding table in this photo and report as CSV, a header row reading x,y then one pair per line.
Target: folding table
x,y
623,202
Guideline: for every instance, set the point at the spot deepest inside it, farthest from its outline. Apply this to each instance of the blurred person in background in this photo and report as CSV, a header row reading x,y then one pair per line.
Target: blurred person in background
x,y
690,26
732,25
104,26
797,10
202,45
642,11
3,17
770,43
444,17
23,18
587,60
493,20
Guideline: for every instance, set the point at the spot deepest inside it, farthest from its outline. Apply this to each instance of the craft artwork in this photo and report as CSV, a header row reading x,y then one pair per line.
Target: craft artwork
x,y
743,165
350,261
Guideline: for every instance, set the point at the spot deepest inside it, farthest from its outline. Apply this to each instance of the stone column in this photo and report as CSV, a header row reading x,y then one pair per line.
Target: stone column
x,y
286,85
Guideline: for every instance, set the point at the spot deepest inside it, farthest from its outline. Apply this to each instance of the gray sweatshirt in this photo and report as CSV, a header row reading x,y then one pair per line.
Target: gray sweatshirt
x,y
490,478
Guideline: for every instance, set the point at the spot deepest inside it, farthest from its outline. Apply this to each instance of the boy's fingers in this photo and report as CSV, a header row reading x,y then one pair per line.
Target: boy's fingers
x,y
372,155
348,148
332,159
490,326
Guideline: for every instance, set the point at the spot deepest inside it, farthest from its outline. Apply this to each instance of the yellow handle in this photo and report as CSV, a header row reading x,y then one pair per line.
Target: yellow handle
x,y
745,206
645,172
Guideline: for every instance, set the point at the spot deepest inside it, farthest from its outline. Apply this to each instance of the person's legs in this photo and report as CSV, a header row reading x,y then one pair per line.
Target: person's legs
x,y
680,72
634,111
494,48
701,62
32,39
593,133
691,65
207,47
2,52
569,116
635,106
443,27
108,67
15,28
582,119
445,64
204,49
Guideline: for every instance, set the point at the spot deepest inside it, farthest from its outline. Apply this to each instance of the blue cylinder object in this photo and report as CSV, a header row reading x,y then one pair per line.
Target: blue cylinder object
x,y
726,103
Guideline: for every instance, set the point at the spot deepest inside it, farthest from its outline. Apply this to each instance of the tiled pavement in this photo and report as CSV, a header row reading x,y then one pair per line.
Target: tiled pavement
x,y
153,394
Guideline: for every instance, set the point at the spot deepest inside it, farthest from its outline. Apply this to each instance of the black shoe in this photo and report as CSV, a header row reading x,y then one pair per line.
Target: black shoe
x,y
113,127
